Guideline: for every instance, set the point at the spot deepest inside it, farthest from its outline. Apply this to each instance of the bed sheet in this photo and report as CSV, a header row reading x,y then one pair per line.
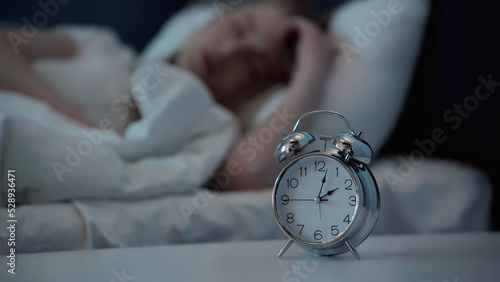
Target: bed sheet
x,y
455,200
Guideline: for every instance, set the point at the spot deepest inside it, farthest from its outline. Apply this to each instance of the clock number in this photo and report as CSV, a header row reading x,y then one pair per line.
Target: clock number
x,y
335,230
303,171
348,185
347,219
285,200
318,235
289,217
337,169
352,203
292,183
301,228
319,166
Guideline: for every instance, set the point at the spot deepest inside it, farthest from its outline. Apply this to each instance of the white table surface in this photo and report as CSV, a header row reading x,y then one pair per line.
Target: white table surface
x,y
439,257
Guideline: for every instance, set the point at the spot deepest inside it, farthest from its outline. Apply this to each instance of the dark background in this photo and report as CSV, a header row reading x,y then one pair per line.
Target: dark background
x,y
462,42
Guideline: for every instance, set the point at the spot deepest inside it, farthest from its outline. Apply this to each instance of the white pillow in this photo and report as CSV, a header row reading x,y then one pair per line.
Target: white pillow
x,y
378,45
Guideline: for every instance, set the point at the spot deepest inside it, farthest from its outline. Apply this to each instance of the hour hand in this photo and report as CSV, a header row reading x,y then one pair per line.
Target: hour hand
x,y
328,193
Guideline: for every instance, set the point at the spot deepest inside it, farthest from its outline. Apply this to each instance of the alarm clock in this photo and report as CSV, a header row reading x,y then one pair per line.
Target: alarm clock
x,y
325,200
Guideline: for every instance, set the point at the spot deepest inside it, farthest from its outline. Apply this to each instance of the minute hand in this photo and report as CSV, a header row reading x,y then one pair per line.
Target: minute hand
x,y
322,183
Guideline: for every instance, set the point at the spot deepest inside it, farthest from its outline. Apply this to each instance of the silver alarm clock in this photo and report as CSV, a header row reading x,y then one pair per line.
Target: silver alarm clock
x,y
326,201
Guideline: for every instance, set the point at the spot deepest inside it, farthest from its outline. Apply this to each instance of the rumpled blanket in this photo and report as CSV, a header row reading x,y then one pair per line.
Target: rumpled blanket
x,y
179,141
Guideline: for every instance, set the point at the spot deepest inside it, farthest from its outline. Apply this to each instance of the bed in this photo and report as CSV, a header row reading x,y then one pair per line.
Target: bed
x,y
57,217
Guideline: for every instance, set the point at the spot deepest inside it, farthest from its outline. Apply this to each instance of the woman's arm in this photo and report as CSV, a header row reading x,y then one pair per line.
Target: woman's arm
x,y
259,170
16,73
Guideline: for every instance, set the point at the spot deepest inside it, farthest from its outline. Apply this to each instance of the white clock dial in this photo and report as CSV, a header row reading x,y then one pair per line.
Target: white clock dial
x,y
316,199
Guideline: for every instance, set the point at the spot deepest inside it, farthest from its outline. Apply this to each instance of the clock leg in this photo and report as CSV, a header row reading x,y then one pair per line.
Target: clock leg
x,y
285,248
352,249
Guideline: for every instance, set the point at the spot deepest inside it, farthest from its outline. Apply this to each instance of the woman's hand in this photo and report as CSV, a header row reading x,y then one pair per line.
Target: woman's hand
x,y
312,51
312,59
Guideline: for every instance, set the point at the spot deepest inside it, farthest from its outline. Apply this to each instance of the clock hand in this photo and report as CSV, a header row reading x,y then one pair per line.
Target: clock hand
x,y
318,199
306,200
322,183
328,194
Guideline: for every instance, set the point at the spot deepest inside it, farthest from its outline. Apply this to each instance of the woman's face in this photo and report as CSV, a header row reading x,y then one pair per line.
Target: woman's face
x,y
241,53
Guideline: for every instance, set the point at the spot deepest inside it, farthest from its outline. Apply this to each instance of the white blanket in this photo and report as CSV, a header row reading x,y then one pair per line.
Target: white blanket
x,y
179,141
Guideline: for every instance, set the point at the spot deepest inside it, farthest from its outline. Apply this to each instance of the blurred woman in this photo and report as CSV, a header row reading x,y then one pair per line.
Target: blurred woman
x,y
253,48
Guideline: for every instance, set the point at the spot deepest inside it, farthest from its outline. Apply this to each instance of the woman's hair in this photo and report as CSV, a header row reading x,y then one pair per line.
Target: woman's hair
x,y
295,7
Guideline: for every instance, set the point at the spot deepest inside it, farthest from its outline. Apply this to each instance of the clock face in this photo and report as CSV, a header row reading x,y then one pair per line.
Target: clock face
x,y
316,199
